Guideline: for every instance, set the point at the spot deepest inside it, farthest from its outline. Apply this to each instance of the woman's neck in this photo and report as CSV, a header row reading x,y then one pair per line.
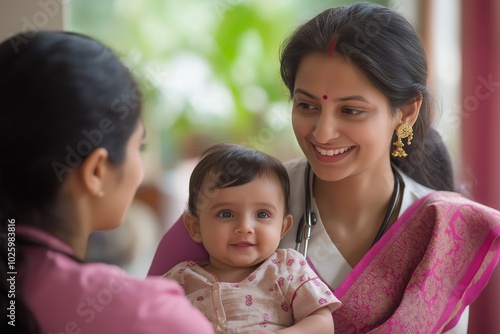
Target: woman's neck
x,y
77,244
58,227
352,210
359,195
74,215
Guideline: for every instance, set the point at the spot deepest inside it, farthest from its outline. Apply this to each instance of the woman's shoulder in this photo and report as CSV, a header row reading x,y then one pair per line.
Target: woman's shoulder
x,y
457,199
155,302
111,280
149,303
296,166
103,298
104,274
457,206
296,169
416,189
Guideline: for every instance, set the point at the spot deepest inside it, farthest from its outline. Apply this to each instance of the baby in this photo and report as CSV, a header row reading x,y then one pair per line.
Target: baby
x,y
238,209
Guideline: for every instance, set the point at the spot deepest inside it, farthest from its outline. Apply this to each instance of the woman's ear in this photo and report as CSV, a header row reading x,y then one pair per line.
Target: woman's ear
x,y
287,224
94,170
410,111
192,224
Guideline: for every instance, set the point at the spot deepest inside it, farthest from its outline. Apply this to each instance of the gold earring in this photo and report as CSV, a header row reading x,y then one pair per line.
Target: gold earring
x,y
100,194
403,131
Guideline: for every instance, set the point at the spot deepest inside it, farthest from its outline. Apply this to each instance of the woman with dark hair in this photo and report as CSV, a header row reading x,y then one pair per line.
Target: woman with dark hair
x,y
380,221
70,164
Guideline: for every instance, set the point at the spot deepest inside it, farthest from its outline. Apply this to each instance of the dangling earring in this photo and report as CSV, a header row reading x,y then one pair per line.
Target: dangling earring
x,y
403,131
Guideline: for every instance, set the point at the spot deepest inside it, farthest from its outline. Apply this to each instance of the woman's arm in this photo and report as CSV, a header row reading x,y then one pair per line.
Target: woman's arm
x,y
176,246
318,322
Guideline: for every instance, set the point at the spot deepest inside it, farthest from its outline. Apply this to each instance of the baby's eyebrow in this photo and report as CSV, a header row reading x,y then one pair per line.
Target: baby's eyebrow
x,y
266,205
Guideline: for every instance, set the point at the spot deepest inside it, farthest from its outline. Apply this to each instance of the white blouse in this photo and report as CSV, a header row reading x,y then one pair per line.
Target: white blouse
x,y
326,259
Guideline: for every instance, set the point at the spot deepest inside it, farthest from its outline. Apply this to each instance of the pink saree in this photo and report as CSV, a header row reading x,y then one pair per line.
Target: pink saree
x,y
432,263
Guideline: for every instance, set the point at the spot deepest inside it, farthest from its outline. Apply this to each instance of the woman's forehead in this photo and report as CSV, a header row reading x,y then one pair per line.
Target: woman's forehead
x,y
319,73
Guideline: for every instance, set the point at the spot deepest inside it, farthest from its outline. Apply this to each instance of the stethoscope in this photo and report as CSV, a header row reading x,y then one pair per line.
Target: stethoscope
x,y
309,219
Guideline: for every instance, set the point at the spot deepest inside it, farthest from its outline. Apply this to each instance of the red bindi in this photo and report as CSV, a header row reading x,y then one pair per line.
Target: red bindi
x,y
325,97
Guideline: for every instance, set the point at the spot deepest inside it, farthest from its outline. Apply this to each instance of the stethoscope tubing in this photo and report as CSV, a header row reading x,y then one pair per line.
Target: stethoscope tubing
x,y
309,219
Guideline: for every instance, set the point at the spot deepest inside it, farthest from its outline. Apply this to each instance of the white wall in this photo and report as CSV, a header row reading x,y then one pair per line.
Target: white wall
x,y
24,15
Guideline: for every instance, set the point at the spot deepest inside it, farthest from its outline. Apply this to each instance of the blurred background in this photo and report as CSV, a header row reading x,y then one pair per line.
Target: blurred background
x,y
209,71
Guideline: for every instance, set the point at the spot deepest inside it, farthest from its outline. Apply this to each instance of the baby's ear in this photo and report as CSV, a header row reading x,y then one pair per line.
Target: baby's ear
x,y
193,226
287,224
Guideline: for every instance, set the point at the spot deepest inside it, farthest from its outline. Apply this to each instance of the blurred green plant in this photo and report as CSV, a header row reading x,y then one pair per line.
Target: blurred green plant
x,y
208,68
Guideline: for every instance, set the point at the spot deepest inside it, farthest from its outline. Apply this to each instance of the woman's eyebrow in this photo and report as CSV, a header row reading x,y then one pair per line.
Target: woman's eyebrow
x,y
340,99
352,97
306,93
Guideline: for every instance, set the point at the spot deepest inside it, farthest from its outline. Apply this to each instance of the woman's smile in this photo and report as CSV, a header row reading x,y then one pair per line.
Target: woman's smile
x,y
333,155
332,152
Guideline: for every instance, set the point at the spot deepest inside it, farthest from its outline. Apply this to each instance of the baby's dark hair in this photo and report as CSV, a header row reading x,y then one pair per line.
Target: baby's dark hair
x,y
231,165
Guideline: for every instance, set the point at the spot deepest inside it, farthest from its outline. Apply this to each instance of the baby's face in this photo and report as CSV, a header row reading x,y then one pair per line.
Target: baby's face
x,y
242,226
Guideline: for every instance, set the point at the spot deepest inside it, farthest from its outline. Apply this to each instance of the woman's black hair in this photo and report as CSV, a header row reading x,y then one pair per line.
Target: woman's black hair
x,y
231,165
386,47
62,95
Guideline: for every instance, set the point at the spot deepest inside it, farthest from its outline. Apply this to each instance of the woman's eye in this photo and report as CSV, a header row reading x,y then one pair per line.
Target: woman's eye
x,y
305,106
351,111
263,215
225,214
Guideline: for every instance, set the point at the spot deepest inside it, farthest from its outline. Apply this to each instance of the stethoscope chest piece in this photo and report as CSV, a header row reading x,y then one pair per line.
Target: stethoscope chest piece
x,y
308,219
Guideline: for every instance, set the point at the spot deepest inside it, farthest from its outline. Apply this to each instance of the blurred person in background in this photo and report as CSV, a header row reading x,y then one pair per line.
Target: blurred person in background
x,y
70,164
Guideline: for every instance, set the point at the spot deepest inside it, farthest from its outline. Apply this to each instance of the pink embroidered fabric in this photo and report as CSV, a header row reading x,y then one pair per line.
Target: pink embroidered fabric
x,y
280,292
431,264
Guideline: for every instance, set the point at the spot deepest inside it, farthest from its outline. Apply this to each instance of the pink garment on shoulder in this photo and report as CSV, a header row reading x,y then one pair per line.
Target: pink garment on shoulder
x,y
280,292
431,264
67,296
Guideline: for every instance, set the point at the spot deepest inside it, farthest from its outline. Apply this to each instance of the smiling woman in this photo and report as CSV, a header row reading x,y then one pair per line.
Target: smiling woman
x,y
348,124
434,250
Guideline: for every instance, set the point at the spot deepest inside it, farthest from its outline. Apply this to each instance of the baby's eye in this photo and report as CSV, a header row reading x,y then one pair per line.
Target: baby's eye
x,y
225,214
263,215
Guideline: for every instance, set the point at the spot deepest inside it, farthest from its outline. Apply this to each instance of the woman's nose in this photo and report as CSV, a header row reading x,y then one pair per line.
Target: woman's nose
x,y
326,128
